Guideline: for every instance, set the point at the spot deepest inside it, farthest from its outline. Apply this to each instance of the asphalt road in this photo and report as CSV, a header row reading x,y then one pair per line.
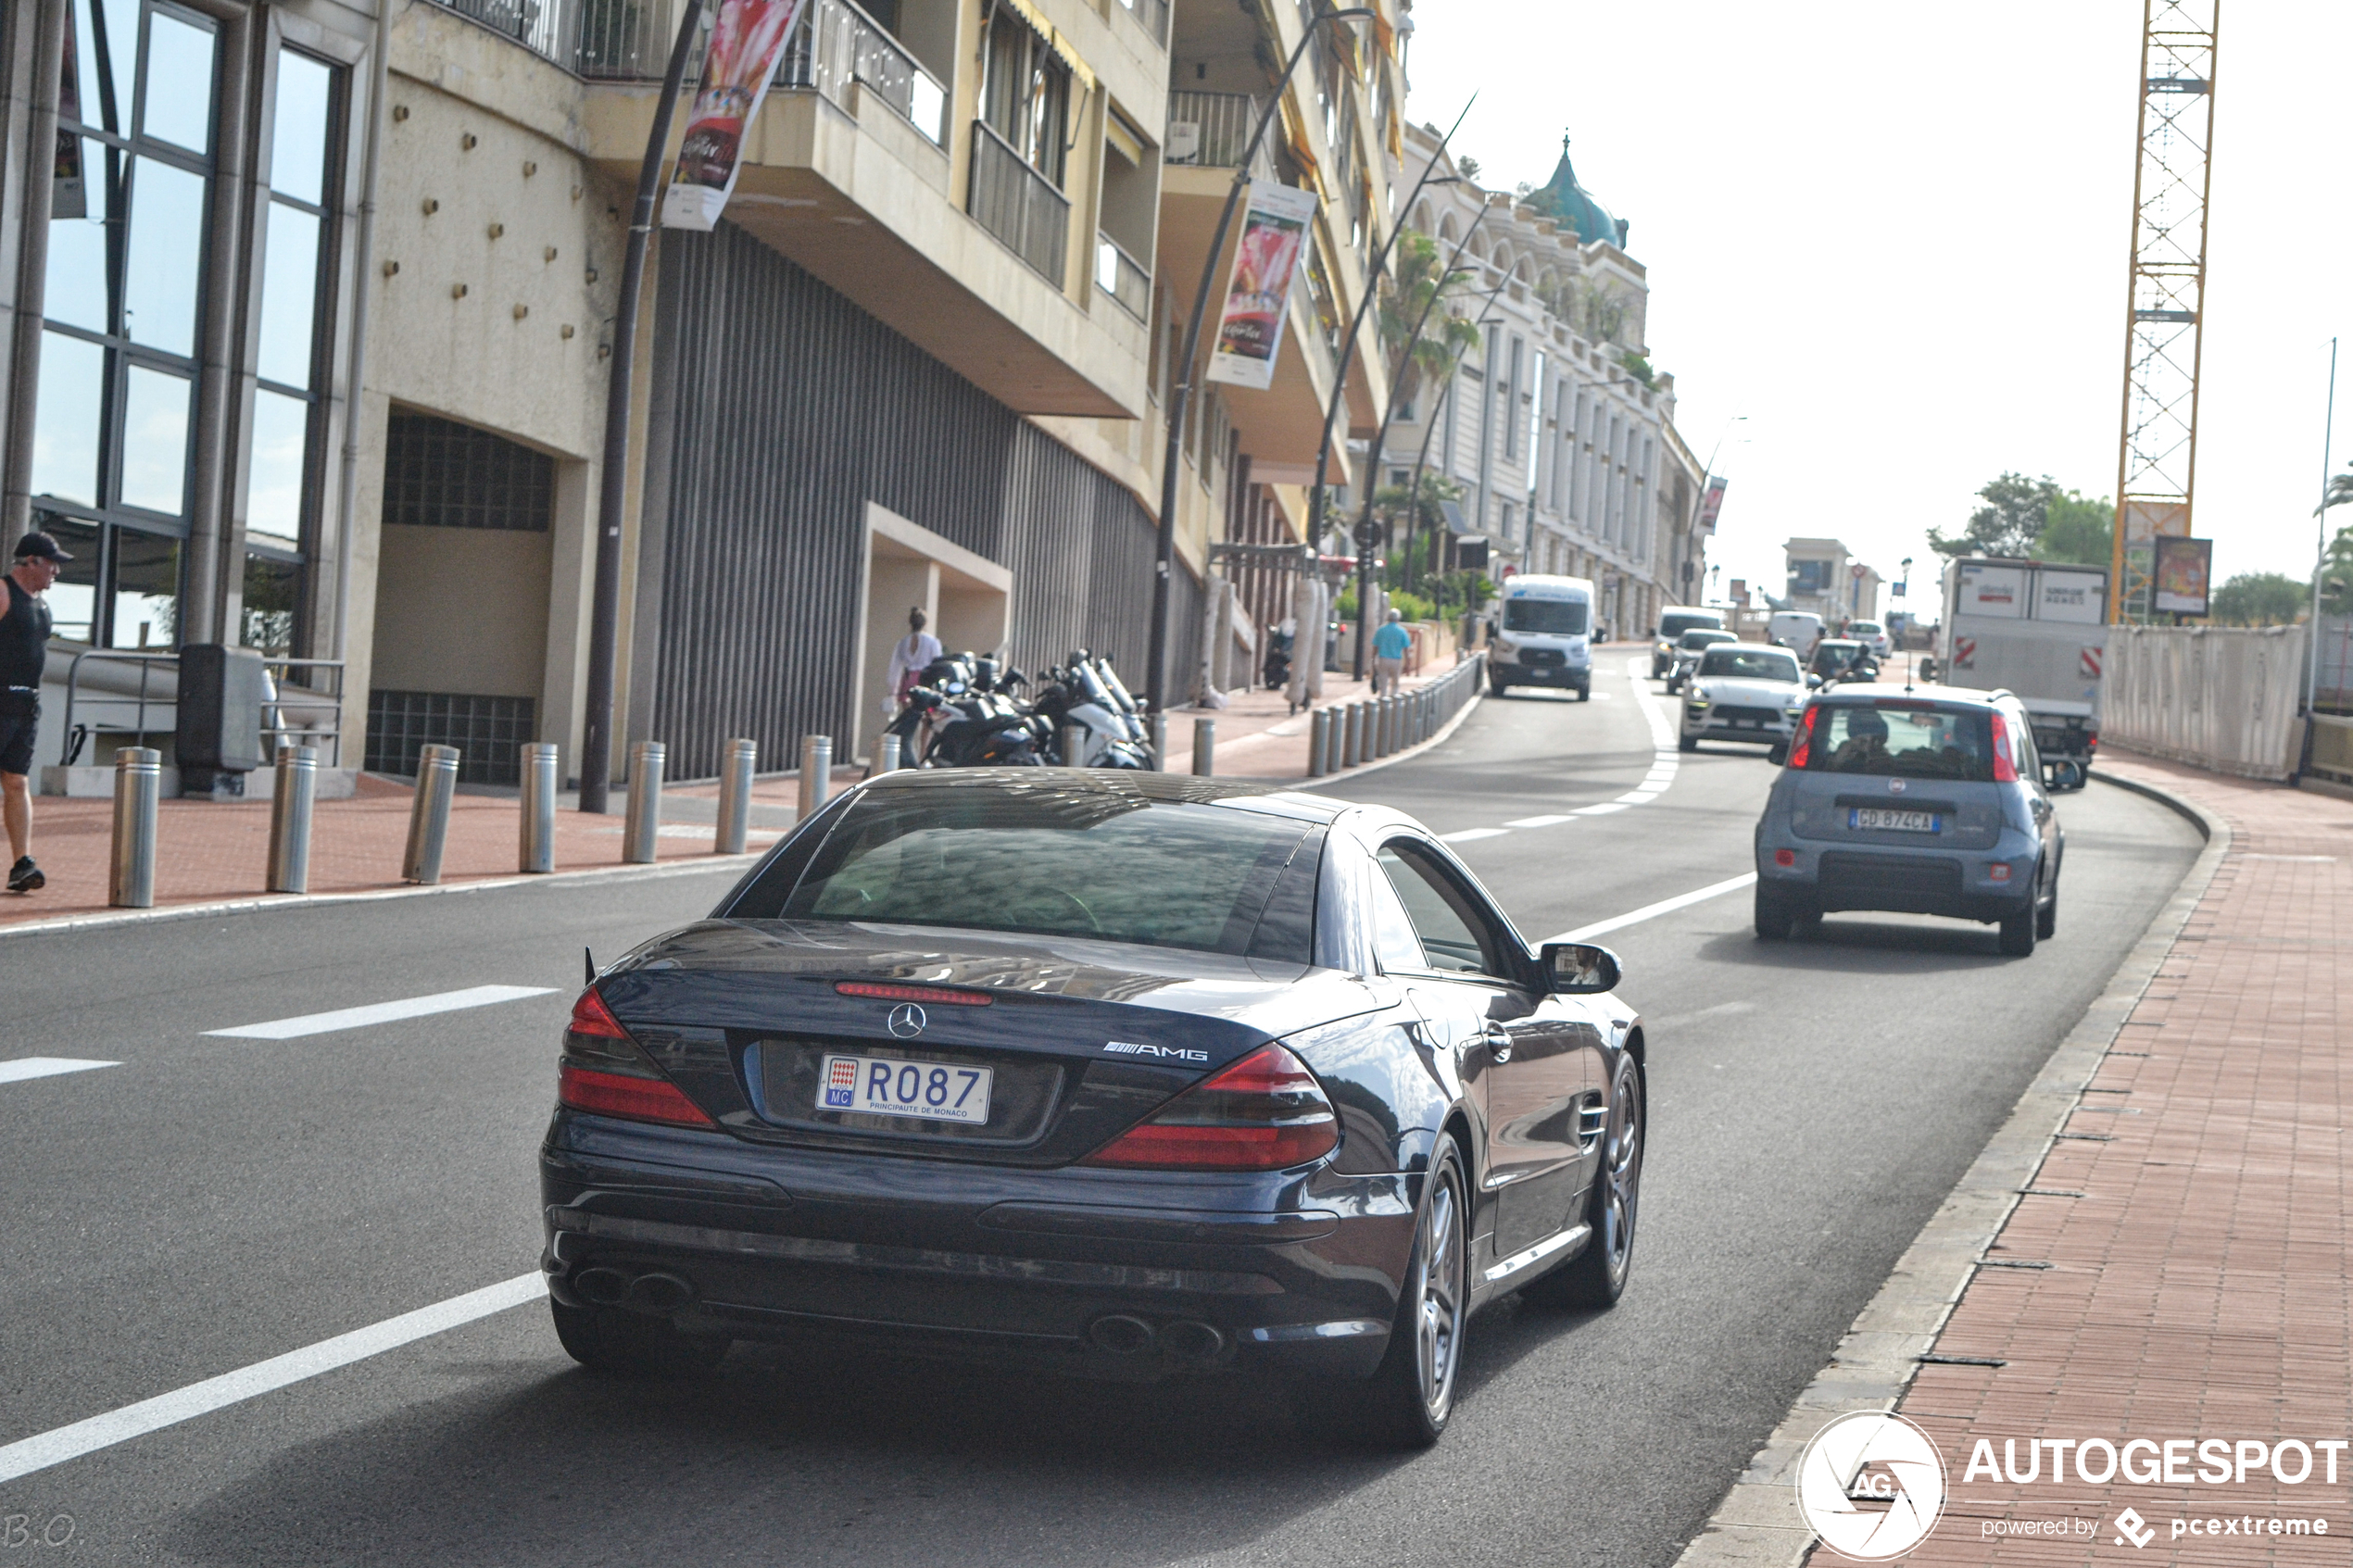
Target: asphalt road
x,y
211,1202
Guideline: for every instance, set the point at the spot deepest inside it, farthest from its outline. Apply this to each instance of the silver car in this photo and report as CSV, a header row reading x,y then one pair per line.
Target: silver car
x,y
1688,647
1744,692
1929,801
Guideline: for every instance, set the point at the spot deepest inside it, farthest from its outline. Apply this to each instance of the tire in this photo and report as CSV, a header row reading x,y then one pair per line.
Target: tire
x,y
2018,931
1774,915
1584,694
1496,687
1406,1403
1805,922
2046,918
630,1345
1596,1277
1686,742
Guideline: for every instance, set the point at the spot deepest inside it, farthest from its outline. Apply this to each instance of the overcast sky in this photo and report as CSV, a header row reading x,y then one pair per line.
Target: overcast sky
x,y
1894,237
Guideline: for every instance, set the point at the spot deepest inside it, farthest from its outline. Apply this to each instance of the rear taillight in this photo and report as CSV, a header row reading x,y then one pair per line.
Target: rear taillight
x,y
1785,859
2005,771
1804,746
1262,1114
606,1074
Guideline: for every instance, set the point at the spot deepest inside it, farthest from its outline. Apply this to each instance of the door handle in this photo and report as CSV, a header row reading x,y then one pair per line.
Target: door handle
x,y
1499,1041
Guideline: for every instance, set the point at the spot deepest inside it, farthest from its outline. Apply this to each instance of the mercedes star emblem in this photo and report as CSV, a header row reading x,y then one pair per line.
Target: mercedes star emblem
x,y
907,1020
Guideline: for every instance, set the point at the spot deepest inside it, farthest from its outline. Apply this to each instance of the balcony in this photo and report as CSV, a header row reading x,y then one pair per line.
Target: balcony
x,y
1119,275
1210,129
1151,16
1018,205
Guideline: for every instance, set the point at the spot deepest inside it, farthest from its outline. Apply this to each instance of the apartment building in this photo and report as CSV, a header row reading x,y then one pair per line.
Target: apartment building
x,y
1557,426
308,343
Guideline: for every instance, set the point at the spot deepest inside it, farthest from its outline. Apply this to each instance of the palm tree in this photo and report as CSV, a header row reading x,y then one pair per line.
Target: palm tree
x,y
2340,490
1419,277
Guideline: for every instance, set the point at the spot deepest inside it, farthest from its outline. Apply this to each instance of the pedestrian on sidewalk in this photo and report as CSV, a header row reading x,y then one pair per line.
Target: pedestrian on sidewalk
x,y
1391,645
908,659
24,649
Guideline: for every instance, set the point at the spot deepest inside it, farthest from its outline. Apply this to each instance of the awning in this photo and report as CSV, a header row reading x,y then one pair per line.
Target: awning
x,y
1125,139
1061,46
1453,512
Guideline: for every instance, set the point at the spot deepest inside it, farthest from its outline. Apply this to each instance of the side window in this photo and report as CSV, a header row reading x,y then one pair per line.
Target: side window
x,y
1454,936
1394,939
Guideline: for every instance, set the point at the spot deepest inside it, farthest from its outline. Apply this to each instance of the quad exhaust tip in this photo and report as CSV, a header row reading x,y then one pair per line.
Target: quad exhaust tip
x,y
1121,1335
1186,1339
606,1286
1190,1340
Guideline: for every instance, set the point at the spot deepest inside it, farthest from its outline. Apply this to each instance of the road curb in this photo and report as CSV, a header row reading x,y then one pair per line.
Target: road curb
x,y
1757,1524
316,900
1358,771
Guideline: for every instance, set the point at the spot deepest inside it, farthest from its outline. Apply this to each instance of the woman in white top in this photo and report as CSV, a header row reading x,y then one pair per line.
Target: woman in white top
x,y
909,658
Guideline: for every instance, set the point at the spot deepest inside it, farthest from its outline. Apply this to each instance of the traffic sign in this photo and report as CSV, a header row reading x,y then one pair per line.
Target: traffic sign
x,y
1858,569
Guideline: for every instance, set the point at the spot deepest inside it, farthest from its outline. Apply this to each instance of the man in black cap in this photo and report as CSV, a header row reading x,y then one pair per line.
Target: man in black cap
x,y
24,648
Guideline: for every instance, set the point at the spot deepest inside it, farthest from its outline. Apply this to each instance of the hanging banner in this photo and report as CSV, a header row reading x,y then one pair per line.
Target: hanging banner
x,y
1710,506
746,44
68,196
2184,567
1249,330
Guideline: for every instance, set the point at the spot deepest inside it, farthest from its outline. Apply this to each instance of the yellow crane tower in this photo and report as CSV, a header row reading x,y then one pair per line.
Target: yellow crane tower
x,y
2157,459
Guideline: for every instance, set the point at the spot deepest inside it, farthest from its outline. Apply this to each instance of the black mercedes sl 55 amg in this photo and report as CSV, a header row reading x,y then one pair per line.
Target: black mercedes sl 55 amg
x,y
1114,1073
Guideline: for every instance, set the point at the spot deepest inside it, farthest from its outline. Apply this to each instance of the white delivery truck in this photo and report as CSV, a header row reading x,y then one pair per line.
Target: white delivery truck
x,y
2038,629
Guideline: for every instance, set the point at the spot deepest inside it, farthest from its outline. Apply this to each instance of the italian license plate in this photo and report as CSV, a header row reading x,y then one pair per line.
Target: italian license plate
x,y
880,1085
1880,819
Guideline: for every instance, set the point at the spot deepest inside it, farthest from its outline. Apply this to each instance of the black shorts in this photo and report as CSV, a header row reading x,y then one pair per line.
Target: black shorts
x,y
17,733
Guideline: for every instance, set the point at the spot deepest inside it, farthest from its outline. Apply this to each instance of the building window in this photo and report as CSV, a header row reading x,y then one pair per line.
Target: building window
x,y
489,732
442,474
1025,98
123,314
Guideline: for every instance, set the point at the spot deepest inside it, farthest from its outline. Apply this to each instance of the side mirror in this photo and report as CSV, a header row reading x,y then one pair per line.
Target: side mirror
x,y
1779,755
1813,683
2065,774
1574,969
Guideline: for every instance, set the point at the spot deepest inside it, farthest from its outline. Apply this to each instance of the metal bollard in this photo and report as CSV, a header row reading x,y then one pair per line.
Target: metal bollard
x,y
735,797
1070,743
138,780
890,762
1388,726
536,847
295,787
1204,748
641,829
1160,741
429,813
816,773
1319,741
1351,740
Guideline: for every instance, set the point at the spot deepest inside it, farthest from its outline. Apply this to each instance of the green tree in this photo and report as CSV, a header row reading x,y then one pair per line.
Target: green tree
x,y
2016,510
2078,530
2336,575
2259,598
1420,276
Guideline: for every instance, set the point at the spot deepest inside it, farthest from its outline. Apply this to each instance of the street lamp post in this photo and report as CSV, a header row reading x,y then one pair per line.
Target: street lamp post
x,y
1180,393
604,617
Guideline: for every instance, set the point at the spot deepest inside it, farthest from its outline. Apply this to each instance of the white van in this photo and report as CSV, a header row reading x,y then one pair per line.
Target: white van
x,y
1673,621
1797,631
1542,636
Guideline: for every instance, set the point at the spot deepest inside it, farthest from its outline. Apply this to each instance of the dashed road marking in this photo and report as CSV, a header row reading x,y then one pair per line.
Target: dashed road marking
x,y
1652,911
26,1066
1665,759
1546,822
381,1013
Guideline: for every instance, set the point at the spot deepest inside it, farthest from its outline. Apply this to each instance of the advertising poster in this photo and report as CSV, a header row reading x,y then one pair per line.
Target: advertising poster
x,y
746,43
1712,505
1249,330
2183,568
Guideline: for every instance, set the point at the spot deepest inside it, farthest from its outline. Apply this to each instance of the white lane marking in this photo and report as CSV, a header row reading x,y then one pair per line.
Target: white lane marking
x,y
381,1013
1652,911
1468,833
1665,759
1717,1011
1603,810
1662,728
23,1458
1541,821
26,1066
1639,797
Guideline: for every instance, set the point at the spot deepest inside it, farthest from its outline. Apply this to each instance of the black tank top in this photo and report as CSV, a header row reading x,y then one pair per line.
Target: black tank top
x,y
24,641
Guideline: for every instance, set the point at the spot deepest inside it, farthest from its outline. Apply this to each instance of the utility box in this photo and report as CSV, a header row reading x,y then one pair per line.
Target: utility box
x,y
221,693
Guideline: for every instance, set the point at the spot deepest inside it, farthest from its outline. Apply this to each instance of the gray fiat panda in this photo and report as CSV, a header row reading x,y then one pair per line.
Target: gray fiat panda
x,y
1929,801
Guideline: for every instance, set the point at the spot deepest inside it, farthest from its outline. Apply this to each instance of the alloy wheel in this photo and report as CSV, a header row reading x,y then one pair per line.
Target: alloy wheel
x,y
1622,1176
1437,1285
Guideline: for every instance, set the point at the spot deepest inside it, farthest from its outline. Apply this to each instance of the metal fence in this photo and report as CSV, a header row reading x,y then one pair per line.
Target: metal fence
x,y
1119,275
1211,129
1018,205
2219,698
838,44
2332,676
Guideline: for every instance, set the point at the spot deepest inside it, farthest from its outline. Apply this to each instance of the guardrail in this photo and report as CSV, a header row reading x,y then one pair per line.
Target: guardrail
x,y
2332,747
1124,278
1018,205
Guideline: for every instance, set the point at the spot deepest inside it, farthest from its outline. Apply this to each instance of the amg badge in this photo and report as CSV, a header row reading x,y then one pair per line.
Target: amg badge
x,y
1168,1053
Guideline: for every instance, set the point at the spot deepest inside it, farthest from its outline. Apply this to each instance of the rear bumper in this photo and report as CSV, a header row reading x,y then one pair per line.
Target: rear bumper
x,y
1983,886
1297,1272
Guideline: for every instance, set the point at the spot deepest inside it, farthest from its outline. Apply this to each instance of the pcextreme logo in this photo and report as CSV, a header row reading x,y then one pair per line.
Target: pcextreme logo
x,y
1871,1485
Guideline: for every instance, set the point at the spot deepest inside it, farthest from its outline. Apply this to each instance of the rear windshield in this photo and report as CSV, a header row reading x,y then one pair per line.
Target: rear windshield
x,y
1862,628
1672,626
1055,859
1700,639
1897,742
1743,661
1556,618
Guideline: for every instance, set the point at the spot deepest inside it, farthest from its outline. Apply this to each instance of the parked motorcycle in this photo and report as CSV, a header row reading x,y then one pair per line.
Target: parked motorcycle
x,y
966,708
1277,669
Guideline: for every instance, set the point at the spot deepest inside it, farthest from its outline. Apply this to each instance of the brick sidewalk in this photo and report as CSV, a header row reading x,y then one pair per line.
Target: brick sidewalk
x,y
2198,1286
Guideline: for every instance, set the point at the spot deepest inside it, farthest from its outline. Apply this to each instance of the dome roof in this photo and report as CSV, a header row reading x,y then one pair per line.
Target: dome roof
x,y
1572,207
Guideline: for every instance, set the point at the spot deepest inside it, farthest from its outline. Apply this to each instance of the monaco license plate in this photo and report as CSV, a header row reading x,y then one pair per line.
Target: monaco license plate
x,y
1878,819
879,1085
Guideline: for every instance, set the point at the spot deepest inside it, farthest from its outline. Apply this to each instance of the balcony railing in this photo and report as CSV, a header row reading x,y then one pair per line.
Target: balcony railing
x,y
545,27
838,44
1118,275
1018,205
1152,14
1211,129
